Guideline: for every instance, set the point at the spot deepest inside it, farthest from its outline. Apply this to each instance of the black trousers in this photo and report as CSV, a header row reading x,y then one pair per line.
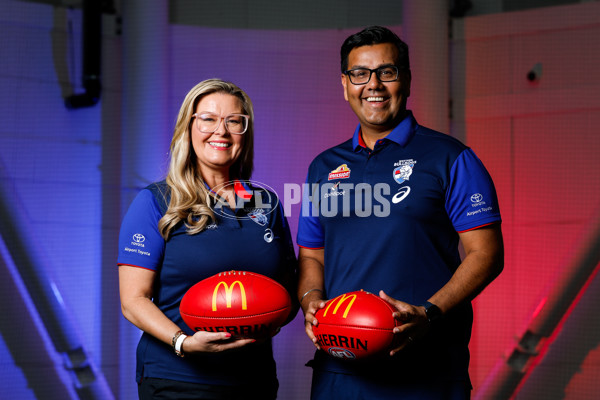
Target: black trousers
x,y
159,389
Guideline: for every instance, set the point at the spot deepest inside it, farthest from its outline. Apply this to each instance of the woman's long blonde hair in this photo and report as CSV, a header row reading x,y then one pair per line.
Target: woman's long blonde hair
x,y
188,192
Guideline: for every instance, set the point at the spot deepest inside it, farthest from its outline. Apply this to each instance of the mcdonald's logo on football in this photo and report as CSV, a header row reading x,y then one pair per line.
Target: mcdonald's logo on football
x,y
340,300
228,294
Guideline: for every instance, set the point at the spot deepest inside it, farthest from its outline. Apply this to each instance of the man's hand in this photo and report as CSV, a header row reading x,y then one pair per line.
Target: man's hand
x,y
310,320
413,320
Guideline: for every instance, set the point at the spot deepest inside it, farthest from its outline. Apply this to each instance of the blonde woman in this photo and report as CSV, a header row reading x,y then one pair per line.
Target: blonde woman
x,y
204,218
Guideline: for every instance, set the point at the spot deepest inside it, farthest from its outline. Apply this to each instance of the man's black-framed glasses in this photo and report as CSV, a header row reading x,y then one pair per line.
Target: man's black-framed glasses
x,y
362,76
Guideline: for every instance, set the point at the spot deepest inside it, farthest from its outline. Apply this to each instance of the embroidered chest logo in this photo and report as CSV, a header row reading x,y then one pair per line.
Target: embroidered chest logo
x,y
403,170
258,215
341,172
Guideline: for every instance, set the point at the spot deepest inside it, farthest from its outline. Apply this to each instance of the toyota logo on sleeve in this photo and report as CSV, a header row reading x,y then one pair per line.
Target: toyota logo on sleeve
x,y
476,198
139,238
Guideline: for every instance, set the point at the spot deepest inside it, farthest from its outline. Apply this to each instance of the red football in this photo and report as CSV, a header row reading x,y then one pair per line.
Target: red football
x,y
355,325
245,304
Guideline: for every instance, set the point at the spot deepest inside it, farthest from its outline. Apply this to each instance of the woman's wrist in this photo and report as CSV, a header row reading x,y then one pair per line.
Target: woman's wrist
x,y
177,343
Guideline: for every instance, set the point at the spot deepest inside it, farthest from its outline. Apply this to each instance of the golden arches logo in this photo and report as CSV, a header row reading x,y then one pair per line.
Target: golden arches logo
x,y
340,300
228,293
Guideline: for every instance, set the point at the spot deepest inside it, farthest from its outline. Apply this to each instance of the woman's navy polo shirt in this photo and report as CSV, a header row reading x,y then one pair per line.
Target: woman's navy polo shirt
x,y
388,219
254,238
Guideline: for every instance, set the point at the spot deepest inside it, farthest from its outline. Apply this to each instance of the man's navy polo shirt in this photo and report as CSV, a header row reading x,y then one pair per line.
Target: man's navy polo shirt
x,y
254,238
389,219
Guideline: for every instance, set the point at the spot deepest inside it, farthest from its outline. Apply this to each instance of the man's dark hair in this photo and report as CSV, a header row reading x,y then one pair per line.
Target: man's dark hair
x,y
375,35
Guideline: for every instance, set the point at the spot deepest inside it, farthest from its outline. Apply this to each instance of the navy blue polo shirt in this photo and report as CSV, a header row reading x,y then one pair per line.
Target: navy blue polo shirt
x,y
389,219
255,237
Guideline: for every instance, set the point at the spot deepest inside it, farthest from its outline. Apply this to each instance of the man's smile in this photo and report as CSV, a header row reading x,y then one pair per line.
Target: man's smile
x,y
375,99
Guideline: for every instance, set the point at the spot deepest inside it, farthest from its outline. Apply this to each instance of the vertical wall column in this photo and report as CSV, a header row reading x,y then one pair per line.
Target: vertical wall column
x,y
425,29
146,128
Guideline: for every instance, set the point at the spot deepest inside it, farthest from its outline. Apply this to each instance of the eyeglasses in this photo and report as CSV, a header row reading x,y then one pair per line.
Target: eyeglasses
x,y
362,76
208,122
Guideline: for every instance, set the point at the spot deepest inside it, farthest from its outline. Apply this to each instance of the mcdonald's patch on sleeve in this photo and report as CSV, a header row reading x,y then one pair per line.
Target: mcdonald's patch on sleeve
x,y
245,304
355,325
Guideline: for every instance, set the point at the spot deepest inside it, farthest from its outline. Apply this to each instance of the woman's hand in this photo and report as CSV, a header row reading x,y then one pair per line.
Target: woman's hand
x,y
212,342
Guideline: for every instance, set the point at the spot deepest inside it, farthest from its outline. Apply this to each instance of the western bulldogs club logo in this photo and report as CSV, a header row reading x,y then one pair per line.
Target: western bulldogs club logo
x,y
403,170
258,215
